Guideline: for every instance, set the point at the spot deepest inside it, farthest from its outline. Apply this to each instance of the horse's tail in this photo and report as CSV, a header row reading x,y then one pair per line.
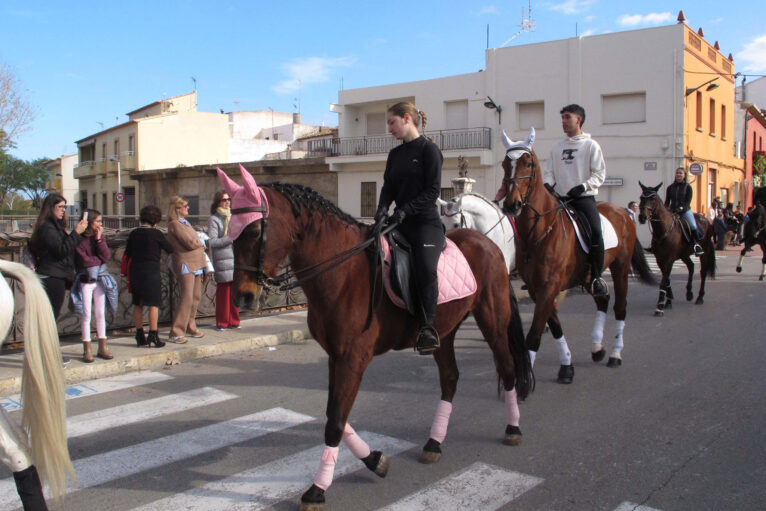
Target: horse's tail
x,y
525,378
42,383
641,266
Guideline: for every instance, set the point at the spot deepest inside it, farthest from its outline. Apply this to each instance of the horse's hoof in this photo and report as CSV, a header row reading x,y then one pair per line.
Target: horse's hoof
x,y
313,499
669,305
739,269
614,362
566,373
599,355
512,435
689,296
699,301
377,462
432,452
659,312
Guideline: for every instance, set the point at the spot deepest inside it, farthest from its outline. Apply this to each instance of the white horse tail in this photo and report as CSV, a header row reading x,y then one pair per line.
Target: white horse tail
x,y
42,383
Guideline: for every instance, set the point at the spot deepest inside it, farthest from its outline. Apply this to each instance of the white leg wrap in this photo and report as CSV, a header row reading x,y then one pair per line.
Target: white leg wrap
x,y
597,336
441,421
739,261
763,269
14,452
564,356
512,408
354,442
618,342
323,478
532,355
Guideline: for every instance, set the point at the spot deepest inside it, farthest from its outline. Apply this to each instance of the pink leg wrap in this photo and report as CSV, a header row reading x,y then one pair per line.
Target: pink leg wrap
x,y
441,421
512,408
354,442
323,478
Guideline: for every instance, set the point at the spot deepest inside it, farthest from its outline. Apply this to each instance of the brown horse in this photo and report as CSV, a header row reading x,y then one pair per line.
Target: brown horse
x,y
669,245
754,233
353,320
549,259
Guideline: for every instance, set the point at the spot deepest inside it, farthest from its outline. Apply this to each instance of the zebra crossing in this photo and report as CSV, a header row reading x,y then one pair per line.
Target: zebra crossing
x,y
476,486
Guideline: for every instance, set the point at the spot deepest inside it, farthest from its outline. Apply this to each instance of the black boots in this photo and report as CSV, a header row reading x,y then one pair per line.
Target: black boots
x,y
598,286
140,337
154,338
698,250
428,340
30,489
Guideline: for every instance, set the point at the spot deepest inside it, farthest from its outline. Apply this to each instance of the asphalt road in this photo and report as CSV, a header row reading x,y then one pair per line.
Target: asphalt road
x,y
679,426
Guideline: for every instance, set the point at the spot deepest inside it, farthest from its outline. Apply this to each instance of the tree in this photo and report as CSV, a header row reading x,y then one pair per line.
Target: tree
x,y
33,180
16,114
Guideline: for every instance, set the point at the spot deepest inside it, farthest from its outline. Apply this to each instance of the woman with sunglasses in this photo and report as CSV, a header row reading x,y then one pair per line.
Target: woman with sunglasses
x,y
222,254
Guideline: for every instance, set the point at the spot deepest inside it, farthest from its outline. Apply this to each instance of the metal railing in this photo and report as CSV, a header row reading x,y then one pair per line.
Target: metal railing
x,y
446,140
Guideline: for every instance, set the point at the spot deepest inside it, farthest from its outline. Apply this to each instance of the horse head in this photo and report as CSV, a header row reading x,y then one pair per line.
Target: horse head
x,y
756,222
246,228
451,212
519,173
649,201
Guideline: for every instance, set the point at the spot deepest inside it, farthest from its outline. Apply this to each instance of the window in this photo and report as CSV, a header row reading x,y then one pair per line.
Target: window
x,y
129,205
531,115
447,193
723,122
103,151
94,201
376,124
699,111
712,117
83,200
116,146
193,204
369,198
623,108
457,114
131,146
103,201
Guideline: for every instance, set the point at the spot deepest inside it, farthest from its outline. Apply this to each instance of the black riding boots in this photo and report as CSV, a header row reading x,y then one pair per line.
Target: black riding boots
x,y
598,286
428,340
698,236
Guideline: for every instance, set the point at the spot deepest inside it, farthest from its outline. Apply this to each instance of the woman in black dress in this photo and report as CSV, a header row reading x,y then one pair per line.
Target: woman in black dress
x,y
145,246
413,181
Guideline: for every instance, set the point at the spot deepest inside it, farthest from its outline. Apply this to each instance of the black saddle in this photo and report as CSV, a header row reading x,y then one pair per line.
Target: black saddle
x,y
686,229
580,220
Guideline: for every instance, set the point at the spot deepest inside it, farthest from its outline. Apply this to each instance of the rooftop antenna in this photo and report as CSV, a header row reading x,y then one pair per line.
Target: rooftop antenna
x,y
526,25
195,83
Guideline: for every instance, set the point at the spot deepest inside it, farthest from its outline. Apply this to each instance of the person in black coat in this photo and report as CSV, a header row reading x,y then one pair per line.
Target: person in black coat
x,y
53,249
678,198
412,180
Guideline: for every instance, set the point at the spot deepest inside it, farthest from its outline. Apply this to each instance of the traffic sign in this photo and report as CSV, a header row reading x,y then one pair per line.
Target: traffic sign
x,y
695,169
119,196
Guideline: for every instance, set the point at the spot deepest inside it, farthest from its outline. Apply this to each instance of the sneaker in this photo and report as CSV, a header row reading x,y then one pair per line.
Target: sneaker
x,y
220,328
178,339
698,250
599,288
65,361
235,327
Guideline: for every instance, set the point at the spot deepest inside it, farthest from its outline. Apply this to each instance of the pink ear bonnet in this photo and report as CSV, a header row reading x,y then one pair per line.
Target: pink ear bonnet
x,y
248,202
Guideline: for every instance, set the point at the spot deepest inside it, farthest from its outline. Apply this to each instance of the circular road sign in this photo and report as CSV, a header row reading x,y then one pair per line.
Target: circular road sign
x,y
695,169
119,196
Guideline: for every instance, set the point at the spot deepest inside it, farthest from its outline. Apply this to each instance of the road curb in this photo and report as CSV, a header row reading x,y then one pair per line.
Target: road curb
x,y
153,359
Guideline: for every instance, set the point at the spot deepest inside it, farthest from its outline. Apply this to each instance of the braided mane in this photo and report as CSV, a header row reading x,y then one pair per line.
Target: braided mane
x,y
300,196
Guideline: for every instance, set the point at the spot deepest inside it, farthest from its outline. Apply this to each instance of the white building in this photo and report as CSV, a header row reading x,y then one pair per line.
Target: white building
x,y
631,85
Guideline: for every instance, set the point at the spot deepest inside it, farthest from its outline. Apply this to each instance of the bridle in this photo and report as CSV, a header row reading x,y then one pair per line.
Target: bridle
x,y
652,195
459,211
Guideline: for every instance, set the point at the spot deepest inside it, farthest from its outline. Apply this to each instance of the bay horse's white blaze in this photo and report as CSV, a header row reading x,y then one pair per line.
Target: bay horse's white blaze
x,y
474,211
42,387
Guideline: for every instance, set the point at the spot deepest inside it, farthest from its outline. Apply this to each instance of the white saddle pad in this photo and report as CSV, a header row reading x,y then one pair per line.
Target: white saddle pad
x,y
607,231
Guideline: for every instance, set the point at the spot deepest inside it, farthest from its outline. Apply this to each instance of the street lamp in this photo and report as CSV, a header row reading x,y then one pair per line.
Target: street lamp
x,y
710,87
116,158
493,106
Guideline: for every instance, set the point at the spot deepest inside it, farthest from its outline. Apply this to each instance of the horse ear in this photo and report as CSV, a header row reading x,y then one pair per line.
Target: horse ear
x,y
641,185
227,182
251,188
531,138
506,141
656,188
440,201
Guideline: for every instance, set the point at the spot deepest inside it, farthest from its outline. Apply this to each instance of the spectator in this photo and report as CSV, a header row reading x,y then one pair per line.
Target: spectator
x,y
222,253
91,257
53,249
188,266
633,211
712,212
719,229
144,251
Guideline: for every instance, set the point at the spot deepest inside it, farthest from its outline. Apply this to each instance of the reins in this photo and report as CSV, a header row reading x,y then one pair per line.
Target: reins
x,y
654,218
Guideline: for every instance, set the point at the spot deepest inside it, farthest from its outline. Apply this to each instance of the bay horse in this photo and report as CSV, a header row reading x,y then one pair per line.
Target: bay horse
x,y
669,245
43,419
354,321
549,259
754,233
474,211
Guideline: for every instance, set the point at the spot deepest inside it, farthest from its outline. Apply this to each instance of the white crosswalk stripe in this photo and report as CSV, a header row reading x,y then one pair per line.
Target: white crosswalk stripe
x,y
629,506
480,486
273,482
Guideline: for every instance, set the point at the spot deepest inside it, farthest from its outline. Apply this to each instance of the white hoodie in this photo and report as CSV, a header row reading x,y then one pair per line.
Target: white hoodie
x,y
576,161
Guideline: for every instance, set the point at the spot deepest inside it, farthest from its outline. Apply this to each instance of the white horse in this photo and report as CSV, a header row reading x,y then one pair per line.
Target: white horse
x,y
474,211
41,440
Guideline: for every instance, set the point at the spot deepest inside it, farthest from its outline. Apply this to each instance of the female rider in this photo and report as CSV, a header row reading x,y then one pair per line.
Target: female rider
x,y
678,199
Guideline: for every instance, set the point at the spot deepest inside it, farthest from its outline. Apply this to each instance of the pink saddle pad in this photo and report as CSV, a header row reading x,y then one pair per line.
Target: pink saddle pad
x,y
456,279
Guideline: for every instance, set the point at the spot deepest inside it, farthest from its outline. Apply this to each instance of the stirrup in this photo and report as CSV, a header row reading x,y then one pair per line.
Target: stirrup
x,y
428,341
698,250
598,287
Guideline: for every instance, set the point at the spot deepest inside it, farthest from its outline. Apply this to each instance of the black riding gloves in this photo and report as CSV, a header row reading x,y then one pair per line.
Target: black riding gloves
x,y
576,191
398,216
381,214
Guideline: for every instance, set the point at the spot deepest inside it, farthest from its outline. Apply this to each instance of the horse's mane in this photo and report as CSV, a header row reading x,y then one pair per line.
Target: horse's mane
x,y
300,196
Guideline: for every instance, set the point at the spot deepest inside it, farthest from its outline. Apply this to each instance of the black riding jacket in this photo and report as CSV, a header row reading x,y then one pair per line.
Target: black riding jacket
x,y
678,197
54,250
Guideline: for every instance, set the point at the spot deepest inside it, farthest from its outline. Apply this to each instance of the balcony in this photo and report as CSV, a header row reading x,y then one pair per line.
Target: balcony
x,y
84,169
446,140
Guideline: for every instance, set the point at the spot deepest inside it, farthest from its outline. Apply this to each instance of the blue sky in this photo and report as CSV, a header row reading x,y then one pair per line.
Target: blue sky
x,y
85,63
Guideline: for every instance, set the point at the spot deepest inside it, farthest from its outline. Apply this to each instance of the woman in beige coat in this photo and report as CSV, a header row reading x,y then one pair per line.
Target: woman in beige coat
x,y
188,265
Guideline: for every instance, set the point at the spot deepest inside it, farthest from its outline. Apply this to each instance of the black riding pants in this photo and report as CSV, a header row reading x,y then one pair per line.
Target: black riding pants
x,y
586,206
56,290
427,240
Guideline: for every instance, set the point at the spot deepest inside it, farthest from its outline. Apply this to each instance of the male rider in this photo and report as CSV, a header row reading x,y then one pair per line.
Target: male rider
x,y
577,168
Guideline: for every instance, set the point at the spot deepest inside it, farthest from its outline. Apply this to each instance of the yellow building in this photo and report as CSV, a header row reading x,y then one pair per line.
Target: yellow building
x,y
165,134
61,177
709,138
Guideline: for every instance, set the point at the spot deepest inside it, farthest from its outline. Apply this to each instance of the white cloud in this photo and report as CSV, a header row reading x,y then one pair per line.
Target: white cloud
x,y
717,20
588,32
308,70
754,55
590,18
572,6
489,9
653,18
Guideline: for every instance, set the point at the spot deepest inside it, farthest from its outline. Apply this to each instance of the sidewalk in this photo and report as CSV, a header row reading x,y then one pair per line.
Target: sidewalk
x,y
282,328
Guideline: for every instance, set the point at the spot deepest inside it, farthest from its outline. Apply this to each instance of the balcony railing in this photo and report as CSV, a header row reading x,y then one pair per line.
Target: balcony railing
x,y
474,138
